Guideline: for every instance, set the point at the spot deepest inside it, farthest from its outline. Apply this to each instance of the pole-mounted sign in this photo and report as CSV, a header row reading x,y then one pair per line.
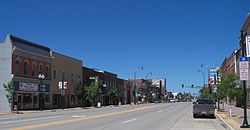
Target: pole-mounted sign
x,y
244,68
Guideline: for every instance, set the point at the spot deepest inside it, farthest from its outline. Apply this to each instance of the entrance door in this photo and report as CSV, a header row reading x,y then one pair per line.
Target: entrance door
x,y
20,100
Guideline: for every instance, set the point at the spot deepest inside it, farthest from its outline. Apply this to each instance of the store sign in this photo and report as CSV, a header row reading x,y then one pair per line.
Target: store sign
x,y
30,87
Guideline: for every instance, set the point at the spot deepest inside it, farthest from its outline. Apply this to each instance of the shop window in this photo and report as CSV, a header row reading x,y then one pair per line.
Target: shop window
x,y
27,99
55,99
25,71
47,98
72,99
17,66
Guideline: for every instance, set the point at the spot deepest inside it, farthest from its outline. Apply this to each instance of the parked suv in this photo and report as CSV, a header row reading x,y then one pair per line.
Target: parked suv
x,y
203,107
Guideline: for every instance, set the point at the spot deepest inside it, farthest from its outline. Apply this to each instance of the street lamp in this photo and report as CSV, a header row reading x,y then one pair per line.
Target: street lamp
x,y
41,77
200,71
135,86
148,74
147,87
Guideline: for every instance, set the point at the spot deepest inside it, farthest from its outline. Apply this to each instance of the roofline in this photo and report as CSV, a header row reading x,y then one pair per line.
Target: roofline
x,y
245,23
14,38
66,56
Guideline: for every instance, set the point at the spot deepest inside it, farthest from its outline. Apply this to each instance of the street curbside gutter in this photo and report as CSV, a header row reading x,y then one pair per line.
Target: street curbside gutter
x,y
225,123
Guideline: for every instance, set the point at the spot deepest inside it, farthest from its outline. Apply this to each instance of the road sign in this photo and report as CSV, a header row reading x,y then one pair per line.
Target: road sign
x,y
65,85
244,68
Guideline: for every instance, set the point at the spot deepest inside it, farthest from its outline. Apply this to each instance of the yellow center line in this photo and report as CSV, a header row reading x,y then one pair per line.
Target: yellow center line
x,y
82,119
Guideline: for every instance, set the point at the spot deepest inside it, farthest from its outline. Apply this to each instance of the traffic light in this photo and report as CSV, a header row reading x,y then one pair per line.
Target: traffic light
x,y
192,86
182,85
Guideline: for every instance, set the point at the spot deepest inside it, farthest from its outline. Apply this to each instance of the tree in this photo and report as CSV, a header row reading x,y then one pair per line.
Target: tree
x,y
205,93
81,92
9,89
93,90
229,88
112,94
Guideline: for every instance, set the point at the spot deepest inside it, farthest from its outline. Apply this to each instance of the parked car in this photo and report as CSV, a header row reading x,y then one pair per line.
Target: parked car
x,y
203,107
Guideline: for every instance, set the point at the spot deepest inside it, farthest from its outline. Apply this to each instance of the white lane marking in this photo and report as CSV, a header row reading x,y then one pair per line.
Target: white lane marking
x,y
76,116
128,121
160,111
34,119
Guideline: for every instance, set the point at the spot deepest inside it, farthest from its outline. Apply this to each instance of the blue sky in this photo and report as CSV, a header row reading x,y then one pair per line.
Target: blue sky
x,y
170,38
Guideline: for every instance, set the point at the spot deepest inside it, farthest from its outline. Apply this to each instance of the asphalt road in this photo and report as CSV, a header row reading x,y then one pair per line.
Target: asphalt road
x,y
163,116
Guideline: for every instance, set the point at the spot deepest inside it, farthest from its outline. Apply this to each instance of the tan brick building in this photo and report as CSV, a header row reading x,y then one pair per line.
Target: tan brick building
x,y
70,70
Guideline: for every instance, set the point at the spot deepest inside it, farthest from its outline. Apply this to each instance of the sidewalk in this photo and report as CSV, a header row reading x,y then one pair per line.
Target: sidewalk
x,y
237,117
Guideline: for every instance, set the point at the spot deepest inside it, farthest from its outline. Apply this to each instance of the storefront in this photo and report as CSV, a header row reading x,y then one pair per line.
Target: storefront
x,y
27,94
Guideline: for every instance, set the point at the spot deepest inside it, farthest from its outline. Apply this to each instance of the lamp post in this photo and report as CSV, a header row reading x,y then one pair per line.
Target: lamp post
x,y
135,86
148,96
41,77
245,122
148,74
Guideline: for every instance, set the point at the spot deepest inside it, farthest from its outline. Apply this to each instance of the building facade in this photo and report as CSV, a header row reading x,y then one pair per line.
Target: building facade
x,y
22,62
65,69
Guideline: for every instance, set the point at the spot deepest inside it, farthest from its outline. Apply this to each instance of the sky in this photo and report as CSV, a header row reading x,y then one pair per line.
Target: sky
x,y
170,38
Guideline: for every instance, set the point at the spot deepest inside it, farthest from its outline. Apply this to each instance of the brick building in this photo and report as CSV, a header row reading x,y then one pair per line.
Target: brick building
x,y
70,70
21,63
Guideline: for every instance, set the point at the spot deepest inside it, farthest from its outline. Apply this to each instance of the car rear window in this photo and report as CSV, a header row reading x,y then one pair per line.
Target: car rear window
x,y
204,101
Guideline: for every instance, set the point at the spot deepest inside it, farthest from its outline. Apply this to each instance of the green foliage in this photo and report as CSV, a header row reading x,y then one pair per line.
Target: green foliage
x,y
81,91
93,90
112,94
228,87
8,87
205,93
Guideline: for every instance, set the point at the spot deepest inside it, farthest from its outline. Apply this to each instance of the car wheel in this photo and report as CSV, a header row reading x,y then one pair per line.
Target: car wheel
x,y
195,115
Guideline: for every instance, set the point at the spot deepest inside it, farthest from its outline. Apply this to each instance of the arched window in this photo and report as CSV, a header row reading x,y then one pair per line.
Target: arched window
x,y
25,70
47,71
40,68
33,69
17,67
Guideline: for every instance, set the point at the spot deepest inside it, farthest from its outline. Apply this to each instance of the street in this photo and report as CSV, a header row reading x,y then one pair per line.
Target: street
x,y
163,116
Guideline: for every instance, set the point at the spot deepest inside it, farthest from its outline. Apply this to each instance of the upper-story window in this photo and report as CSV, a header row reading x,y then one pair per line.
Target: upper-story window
x,y
54,74
17,67
72,77
47,71
25,70
63,75
33,71
40,68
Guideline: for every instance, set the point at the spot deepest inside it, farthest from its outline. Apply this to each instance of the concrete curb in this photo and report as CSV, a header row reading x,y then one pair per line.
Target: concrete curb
x,y
225,123
6,113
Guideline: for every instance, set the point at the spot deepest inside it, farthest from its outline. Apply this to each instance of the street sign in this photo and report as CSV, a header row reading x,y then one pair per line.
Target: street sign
x,y
244,68
65,85
244,63
244,74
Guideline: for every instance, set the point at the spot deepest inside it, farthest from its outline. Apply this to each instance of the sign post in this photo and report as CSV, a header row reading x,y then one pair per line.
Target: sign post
x,y
244,77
